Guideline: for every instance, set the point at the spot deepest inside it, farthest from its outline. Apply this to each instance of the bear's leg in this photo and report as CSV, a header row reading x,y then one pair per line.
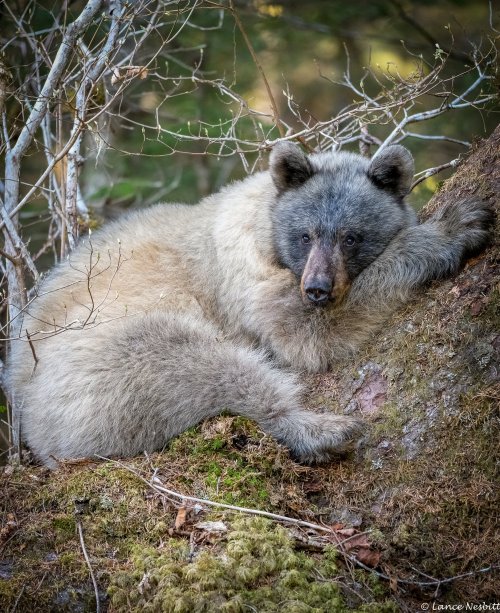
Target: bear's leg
x,y
190,374
130,386
431,250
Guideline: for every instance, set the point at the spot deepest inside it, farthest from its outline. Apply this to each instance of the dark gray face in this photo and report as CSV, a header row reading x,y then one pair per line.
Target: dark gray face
x,y
335,214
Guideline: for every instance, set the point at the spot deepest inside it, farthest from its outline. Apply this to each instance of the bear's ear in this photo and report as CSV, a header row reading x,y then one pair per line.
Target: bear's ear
x,y
289,166
392,169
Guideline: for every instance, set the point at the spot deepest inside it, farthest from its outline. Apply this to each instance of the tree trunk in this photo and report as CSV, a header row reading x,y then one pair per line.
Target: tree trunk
x,y
427,474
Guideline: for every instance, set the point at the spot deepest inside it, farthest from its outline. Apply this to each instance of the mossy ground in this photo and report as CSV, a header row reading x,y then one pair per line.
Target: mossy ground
x,y
257,568
145,562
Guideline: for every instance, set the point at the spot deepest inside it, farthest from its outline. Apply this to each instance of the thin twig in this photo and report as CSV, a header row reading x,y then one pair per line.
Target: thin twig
x,y
14,607
157,485
8,256
433,171
63,56
456,55
89,81
87,560
32,347
259,68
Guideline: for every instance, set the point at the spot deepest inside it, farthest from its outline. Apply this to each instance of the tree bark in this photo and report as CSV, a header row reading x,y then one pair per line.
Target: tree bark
x,y
428,385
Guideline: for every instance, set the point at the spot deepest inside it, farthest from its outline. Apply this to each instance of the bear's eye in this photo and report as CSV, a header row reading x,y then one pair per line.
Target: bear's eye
x,y
349,240
306,239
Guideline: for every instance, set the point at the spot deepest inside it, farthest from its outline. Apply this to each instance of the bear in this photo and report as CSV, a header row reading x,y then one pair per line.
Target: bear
x,y
173,314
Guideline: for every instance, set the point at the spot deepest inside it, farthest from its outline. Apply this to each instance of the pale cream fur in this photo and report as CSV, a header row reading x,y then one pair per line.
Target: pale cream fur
x,y
176,313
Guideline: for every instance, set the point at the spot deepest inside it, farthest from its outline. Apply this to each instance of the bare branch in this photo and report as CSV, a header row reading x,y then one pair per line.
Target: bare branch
x,y
96,67
249,45
61,60
89,565
422,176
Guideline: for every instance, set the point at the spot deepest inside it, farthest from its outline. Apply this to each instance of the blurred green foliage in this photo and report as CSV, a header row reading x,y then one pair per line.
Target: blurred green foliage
x,y
303,48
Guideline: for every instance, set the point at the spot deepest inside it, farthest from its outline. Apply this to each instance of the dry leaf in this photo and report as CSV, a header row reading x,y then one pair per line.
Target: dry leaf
x,y
9,527
180,520
477,306
358,546
128,72
368,557
393,584
347,532
211,526
338,527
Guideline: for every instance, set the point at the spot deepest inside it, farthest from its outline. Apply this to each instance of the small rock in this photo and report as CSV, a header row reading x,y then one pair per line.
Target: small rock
x,y
385,446
6,569
345,516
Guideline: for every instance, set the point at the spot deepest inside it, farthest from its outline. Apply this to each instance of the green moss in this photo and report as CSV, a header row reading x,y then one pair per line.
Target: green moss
x,y
64,524
68,559
257,569
392,420
227,476
379,591
492,310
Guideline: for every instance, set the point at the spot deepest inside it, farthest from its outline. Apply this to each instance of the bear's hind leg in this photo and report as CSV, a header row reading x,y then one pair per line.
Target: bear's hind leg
x,y
191,374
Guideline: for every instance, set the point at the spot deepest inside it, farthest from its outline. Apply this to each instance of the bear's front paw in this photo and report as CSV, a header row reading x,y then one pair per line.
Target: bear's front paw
x,y
324,437
469,222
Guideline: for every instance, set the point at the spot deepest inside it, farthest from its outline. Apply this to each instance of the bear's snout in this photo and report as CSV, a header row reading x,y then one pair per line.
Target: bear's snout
x,y
325,279
317,290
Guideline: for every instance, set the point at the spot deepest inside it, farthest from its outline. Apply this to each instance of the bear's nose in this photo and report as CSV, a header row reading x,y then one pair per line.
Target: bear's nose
x,y
318,291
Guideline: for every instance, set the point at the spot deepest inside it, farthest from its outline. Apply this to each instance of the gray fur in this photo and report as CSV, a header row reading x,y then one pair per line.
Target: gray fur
x,y
393,169
173,314
289,166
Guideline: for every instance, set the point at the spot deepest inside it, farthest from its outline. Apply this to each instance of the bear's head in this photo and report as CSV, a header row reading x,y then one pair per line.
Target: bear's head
x,y
335,213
